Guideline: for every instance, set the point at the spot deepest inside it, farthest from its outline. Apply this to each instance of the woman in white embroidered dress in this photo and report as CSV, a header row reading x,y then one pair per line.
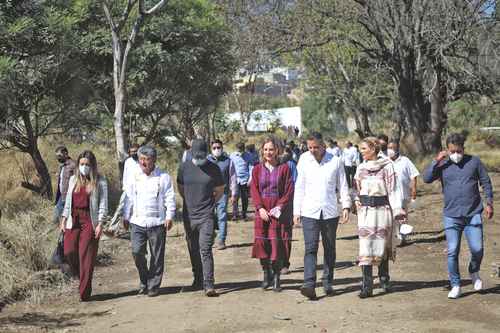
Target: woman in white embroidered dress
x,y
379,203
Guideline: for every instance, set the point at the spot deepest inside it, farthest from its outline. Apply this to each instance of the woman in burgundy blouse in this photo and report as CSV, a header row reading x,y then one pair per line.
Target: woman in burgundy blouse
x,y
82,220
272,195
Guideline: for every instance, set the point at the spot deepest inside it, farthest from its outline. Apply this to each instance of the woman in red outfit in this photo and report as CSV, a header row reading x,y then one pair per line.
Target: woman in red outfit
x,y
82,220
272,195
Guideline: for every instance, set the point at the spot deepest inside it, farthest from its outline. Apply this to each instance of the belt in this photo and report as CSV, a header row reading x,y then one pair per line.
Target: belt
x,y
374,201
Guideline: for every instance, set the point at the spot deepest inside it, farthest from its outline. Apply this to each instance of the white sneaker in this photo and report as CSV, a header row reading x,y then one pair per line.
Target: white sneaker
x,y
454,293
476,281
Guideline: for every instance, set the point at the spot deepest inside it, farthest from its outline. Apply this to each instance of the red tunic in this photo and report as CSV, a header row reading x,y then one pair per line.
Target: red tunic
x,y
270,189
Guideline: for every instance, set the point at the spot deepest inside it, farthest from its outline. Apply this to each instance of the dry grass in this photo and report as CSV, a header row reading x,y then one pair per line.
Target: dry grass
x,y
27,240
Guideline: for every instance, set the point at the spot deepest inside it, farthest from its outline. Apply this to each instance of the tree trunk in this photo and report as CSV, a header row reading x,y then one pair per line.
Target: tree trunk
x,y
120,107
45,186
243,124
413,110
365,121
438,117
397,124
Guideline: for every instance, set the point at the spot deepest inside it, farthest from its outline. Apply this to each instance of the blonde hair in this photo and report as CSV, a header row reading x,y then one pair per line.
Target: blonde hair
x,y
373,143
89,182
276,143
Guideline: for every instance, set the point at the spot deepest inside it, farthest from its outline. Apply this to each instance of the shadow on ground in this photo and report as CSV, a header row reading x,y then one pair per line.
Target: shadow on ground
x,y
49,322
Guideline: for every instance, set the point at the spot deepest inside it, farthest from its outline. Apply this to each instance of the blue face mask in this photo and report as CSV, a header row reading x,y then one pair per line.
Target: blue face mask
x,y
199,161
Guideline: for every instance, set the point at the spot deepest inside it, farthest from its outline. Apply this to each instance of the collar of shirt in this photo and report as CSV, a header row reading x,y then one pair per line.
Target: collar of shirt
x,y
327,157
317,185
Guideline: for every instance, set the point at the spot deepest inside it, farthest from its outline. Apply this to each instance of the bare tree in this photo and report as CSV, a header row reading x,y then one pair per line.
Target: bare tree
x,y
432,48
123,41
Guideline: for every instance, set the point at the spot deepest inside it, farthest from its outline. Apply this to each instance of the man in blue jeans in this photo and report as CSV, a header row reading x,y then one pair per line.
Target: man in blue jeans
x,y
460,174
319,176
226,166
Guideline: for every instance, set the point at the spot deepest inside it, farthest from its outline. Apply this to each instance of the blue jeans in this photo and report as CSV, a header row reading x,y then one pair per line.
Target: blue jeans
x,y
312,228
221,209
58,210
473,228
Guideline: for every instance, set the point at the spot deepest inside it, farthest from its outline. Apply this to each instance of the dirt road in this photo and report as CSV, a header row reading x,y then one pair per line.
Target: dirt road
x,y
418,302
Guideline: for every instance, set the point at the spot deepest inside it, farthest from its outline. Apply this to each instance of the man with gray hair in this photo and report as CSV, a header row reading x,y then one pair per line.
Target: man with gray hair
x,y
149,210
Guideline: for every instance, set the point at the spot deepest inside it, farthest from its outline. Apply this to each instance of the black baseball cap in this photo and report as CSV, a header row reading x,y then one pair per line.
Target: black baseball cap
x,y
199,149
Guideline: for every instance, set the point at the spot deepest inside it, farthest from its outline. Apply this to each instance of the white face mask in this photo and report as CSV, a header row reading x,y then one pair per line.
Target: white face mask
x,y
217,152
456,157
84,170
199,162
392,153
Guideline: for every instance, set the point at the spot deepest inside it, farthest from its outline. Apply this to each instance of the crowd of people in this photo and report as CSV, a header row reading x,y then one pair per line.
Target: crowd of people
x,y
315,186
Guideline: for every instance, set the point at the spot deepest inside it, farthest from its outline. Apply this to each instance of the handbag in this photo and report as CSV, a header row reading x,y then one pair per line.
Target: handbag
x,y
58,255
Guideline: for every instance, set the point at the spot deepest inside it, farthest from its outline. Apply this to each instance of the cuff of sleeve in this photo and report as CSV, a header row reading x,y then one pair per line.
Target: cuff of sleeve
x,y
169,215
346,205
397,211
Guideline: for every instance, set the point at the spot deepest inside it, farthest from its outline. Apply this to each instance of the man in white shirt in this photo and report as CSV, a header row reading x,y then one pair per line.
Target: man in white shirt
x,y
351,158
149,210
320,175
407,173
333,148
130,168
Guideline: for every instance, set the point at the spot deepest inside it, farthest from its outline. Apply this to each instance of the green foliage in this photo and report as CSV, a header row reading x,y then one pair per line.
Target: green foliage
x,y
320,114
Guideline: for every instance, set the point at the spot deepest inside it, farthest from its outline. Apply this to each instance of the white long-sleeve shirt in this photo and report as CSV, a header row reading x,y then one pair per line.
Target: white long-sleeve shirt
x,y
351,156
130,168
405,171
316,185
335,151
150,199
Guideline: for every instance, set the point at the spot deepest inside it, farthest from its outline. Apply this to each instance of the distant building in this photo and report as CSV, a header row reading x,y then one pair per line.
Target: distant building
x,y
263,120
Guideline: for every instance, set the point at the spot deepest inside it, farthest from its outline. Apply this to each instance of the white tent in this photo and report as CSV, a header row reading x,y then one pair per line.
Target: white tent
x,y
260,120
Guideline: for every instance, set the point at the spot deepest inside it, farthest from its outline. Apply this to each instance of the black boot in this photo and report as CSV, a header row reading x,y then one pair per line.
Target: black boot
x,y
267,280
276,282
367,283
383,274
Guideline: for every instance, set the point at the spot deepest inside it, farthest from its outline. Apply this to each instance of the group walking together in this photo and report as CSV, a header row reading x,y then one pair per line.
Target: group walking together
x,y
316,186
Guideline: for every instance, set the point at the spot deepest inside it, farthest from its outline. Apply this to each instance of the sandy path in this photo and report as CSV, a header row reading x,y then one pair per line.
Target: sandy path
x,y
418,302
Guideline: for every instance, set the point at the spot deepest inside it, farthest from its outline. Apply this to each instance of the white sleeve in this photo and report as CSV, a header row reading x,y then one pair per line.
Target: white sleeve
x,y
129,200
342,186
169,195
395,193
299,190
413,171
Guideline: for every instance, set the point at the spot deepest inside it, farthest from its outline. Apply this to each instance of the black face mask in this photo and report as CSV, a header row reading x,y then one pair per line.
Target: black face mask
x,y
135,157
61,160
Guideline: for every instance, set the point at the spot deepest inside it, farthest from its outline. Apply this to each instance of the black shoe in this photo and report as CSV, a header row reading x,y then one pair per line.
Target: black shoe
x,y
267,279
153,292
142,291
328,289
385,284
365,293
310,293
277,283
210,292
195,286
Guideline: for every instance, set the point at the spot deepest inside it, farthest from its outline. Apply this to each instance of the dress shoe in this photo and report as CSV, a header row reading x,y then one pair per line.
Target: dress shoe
x,y
310,293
